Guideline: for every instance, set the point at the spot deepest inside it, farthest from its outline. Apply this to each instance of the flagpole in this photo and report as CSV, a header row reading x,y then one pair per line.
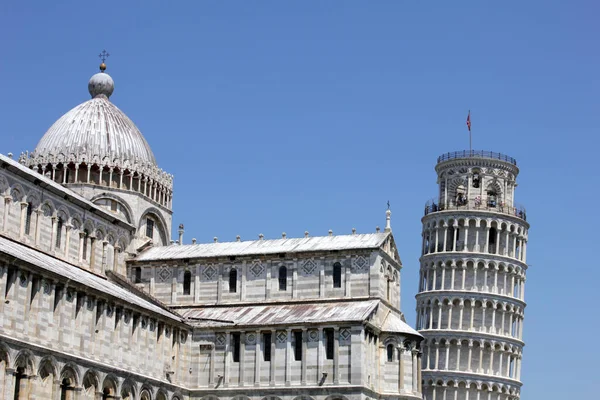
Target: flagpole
x,y
470,141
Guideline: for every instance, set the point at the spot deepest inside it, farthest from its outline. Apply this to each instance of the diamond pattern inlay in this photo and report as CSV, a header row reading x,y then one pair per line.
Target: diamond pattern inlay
x,y
164,273
257,268
209,271
309,266
360,263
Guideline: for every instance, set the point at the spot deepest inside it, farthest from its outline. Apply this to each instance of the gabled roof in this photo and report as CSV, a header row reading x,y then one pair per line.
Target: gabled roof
x,y
59,190
260,247
75,274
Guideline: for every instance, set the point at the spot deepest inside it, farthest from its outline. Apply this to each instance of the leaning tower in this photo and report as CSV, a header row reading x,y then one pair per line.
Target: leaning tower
x,y
471,290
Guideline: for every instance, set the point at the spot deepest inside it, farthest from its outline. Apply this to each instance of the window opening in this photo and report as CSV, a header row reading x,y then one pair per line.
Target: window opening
x,y
282,278
298,345
59,228
28,218
149,228
492,198
267,346
329,344
233,281
235,337
187,282
337,275
390,352
85,239
137,275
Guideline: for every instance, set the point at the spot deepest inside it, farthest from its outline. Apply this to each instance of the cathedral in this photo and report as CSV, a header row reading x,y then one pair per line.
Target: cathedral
x,y
99,302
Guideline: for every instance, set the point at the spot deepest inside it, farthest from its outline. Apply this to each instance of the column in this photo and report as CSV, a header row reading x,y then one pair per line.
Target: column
x,y
472,314
89,171
437,234
487,238
415,372
116,250
53,234
76,173
273,357
92,252
227,358
36,234
67,240
110,172
475,268
460,316
466,244
303,371
497,242
453,267
433,282
443,277
121,178
455,239
480,369
500,362
24,205
458,348
400,369
81,239
64,173
450,306
445,237
436,365
104,246
447,355
506,244
464,276
469,357
320,354
492,351
7,200
477,226
257,355
288,358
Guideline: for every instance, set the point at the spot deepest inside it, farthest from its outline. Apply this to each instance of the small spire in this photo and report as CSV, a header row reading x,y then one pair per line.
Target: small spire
x,y
388,224
181,231
305,234
193,240
377,229
283,235
216,239
354,231
238,238
261,236
330,232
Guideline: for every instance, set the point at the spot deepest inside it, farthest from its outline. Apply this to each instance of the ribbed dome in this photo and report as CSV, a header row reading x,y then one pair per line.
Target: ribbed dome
x,y
97,129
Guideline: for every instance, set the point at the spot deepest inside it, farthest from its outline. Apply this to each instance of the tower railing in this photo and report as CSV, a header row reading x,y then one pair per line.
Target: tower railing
x,y
476,154
435,205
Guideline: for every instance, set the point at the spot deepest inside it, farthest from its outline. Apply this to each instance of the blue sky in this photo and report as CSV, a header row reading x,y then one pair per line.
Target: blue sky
x,y
291,116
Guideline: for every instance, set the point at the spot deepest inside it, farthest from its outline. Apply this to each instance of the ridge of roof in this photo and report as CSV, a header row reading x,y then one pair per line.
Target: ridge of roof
x,y
264,246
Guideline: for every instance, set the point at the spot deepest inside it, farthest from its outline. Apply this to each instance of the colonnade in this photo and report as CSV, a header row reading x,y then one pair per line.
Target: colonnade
x,y
159,188
471,235
479,315
473,275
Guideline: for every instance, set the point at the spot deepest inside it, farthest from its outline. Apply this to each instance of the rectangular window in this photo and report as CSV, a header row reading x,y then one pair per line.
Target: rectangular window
x,y
149,228
235,339
329,344
298,345
28,218
59,228
113,205
267,346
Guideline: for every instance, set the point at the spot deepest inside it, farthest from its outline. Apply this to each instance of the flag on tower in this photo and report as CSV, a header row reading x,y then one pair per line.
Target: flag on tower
x,y
469,121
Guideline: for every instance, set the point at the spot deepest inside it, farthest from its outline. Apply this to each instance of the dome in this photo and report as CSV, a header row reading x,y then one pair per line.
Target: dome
x,y
96,129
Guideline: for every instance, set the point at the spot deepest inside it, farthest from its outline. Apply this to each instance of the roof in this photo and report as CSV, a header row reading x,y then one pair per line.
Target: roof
x,y
260,247
59,190
280,314
394,324
75,274
286,314
97,128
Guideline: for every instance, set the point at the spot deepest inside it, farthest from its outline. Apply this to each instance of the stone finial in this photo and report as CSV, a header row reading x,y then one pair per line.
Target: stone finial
x,y
305,234
172,242
283,235
261,236
330,232
10,155
180,231
354,231
388,222
193,240
377,229
238,238
216,239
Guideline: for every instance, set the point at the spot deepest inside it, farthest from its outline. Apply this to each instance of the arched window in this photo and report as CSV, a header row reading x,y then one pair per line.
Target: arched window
x,y
233,281
390,352
492,240
337,275
282,278
187,282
